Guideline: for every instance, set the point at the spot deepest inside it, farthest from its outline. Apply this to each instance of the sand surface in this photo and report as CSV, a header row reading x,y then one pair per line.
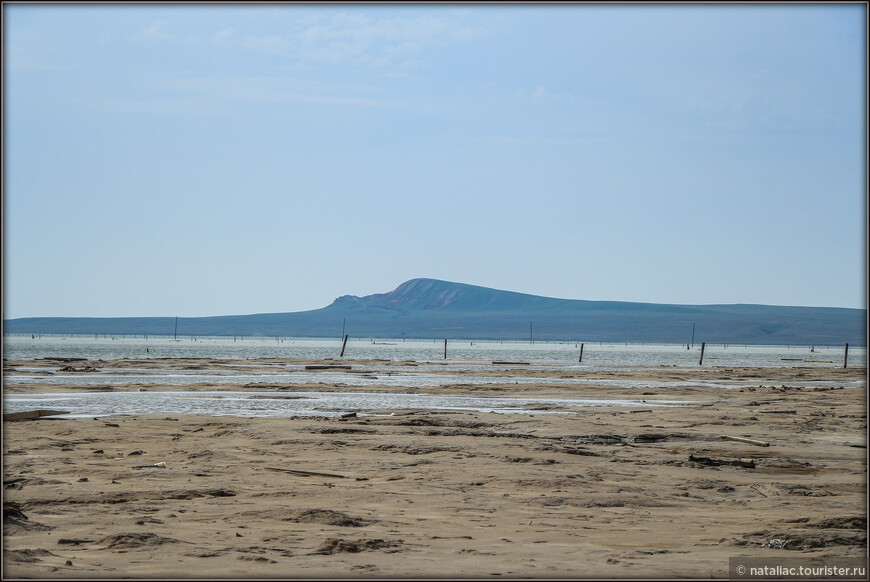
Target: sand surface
x,y
597,492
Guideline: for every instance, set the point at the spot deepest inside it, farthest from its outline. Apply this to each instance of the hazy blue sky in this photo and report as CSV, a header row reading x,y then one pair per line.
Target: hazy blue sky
x,y
212,159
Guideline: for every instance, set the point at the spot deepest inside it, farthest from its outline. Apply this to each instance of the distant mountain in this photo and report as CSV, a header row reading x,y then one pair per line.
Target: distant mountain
x,y
429,308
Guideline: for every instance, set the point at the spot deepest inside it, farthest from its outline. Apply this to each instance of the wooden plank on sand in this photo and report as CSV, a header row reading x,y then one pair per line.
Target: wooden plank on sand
x,y
745,440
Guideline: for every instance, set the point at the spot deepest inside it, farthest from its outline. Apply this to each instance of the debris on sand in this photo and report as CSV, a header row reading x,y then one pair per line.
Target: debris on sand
x,y
15,521
26,556
328,517
74,369
315,515
719,462
135,540
804,540
338,545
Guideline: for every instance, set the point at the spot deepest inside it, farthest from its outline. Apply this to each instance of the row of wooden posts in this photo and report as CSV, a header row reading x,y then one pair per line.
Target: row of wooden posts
x,y
580,360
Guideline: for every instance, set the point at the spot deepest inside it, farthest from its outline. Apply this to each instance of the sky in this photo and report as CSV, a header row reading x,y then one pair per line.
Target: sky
x,y
213,159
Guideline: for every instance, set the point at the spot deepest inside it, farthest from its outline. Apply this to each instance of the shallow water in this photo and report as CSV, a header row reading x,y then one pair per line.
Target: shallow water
x,y
595,355
430,370
272,404
363,377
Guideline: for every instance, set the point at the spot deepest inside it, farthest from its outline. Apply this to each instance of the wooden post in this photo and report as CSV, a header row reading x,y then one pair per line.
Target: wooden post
x,y
701,361
445,349
581,354
846,356
344,343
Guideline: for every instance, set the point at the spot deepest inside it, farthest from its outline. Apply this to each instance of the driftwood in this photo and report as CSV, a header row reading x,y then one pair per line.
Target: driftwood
x,y
778,411
31,415
160,465
719,462
306,473
326,367
745,440
759,491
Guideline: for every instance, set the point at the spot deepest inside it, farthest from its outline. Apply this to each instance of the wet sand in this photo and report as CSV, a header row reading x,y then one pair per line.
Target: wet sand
x,y
599,492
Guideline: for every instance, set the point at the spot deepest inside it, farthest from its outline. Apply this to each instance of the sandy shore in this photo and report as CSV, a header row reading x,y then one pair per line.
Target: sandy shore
x,y
599,492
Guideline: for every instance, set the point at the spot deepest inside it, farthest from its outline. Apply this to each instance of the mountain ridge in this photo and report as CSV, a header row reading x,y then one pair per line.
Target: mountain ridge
x,y
424,284
433,308
435,293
